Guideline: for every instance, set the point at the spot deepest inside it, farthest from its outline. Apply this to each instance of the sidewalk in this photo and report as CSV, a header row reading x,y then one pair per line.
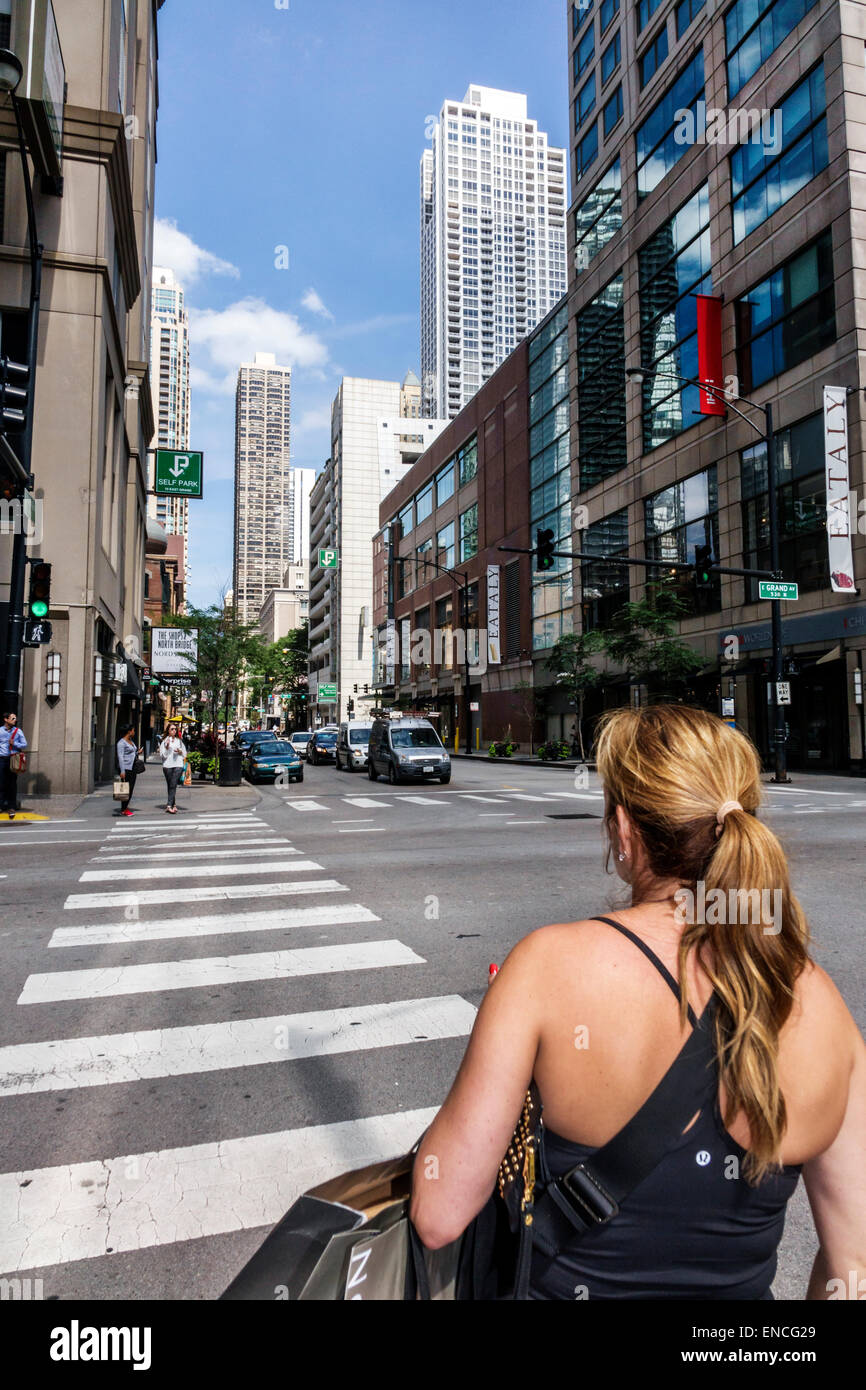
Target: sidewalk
x,y
149,796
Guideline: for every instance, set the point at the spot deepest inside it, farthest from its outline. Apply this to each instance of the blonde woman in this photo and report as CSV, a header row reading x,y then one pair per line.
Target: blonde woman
x,y
596,1012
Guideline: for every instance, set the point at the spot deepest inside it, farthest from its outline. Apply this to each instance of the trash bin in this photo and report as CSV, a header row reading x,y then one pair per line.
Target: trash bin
x,y
230,767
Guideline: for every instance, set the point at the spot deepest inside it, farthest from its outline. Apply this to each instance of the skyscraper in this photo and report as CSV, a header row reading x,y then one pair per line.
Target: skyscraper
x,y
300,486
264,527
493,202
169,385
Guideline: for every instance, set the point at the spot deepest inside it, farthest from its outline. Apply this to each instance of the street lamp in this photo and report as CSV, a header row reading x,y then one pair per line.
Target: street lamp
x,y
639,375
11,72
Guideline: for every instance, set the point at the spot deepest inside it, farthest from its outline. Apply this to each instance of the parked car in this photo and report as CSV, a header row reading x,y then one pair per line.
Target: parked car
x,y
267,758
322,747
352,743
299,740
248,737
404,748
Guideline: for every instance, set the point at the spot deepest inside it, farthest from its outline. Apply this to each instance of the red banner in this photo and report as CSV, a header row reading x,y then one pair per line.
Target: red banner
x,y
710,353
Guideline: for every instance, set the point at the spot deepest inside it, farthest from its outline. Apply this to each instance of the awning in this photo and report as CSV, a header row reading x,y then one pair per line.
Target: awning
x,y
835,654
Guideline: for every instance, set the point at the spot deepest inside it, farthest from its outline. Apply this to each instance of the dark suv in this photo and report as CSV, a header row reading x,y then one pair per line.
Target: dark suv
x,y
407,748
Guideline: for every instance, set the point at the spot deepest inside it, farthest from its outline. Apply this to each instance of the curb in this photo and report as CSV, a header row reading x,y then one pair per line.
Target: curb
x,y
566,764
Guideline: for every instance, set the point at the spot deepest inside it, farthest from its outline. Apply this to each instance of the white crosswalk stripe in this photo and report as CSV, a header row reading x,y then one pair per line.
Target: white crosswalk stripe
x,y
218,924
199,870
149,896
185,854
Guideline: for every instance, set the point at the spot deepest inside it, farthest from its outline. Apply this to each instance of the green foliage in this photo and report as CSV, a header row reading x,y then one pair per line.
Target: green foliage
x,y
282,670
555,750
642,638
575,673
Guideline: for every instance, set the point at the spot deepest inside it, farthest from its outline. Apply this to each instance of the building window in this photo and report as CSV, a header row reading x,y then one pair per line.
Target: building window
x,y
674,266
585,102
753,30
550,474
601,385
405,519
425,572
802,502
424,504
611,58
677,521
584,53
653,55
467,460
788,317
604,588
609,8
645,11
657,147
445,625
687,10
579,10
445,483
469,532
598,218
587,150
613,110
445,554
766,173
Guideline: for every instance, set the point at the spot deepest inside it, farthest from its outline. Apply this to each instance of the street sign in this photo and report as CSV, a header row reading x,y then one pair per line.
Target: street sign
x,y
178,473
783,692
37,633
329,559
327,694
773,589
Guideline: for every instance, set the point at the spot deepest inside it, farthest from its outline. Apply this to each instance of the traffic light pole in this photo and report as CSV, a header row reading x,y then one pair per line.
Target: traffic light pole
x,y
17,581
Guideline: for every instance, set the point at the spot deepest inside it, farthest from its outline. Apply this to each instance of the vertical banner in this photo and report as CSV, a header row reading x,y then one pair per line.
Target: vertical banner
x,y
710,352
405,649
838,487
390,651
494,650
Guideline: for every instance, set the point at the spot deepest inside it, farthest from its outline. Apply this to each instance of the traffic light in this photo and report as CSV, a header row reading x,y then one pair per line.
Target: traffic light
x,y
544,548
703,571
14,396
40,589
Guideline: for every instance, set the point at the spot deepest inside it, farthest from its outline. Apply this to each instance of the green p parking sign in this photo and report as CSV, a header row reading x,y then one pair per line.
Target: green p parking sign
x,y
179,473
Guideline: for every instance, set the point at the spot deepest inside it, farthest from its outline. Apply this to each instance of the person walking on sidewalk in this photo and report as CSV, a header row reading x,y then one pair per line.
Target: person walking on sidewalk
x,y
127,755
11,741
172,750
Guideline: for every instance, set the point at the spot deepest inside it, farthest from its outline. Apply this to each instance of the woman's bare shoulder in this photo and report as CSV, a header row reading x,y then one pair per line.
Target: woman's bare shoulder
x,y
820,1017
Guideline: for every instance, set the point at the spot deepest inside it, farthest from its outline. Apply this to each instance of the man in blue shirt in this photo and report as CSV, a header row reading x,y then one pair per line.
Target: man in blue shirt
x,y
11,741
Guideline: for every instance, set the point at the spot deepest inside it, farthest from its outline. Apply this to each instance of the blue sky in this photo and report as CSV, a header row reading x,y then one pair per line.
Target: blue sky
x,y
301,126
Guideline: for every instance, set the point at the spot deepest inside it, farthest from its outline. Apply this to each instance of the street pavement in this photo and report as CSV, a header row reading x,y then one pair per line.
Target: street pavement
x,y
204,1015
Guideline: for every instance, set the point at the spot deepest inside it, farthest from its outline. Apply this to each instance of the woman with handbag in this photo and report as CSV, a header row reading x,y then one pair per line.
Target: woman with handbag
x,y
12,762
172,750
672,1137
128,765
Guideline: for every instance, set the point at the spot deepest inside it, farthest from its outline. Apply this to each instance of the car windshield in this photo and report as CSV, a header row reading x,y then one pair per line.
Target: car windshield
x,y
326,739
415,738
301,738
275,747
359,735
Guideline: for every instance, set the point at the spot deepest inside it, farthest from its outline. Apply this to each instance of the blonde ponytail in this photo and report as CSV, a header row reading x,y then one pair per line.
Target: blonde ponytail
x,y
673,769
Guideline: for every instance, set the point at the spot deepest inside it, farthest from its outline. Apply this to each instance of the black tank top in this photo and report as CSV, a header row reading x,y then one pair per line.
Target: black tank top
x,y
693,1229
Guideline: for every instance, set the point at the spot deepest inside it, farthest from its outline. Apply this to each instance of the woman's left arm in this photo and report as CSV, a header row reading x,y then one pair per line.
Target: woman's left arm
x,y
459,1156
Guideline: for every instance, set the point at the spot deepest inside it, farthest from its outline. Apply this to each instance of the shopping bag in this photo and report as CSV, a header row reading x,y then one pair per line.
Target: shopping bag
x,y
187,775
121,790
18,762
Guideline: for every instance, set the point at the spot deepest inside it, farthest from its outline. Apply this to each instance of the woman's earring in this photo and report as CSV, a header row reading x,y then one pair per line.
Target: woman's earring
x,y
622,858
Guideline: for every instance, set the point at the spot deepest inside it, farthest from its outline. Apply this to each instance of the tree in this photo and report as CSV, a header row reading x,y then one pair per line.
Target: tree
x,y
227,649
529,701
284,668
575,673
642,637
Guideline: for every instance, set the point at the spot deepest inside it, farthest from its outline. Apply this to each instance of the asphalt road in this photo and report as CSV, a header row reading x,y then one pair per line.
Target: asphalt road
x,y
203,1015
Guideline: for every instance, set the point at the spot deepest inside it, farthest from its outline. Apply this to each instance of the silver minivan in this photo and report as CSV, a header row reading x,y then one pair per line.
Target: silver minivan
x,y
352,744
404,748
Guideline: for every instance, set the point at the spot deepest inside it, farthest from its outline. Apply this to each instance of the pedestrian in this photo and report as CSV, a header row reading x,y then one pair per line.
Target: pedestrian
x,y
784,1093
172,750
12,741
127,756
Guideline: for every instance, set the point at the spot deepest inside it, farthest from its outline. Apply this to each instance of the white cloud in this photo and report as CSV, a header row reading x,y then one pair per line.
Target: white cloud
x,y
314,303
222,339
378,324
178,252
313,420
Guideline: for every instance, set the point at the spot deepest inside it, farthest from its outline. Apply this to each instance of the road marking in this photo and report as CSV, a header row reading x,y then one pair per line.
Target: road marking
x,y
364,803
422,800
117,1057
526,822
220,924
279,847
304,805
237,835
137,1201
801,791
159,976
138,825
577,796
523,796
364,830
495,815
470,796
201,895
198,870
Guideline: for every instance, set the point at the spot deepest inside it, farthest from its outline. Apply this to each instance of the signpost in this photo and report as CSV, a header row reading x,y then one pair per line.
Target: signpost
x,y
327,694
783,692
174,651
774,590
329,559
37,632
178,473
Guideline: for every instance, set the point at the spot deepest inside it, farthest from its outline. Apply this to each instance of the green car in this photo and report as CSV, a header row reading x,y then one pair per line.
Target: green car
x,y
271,760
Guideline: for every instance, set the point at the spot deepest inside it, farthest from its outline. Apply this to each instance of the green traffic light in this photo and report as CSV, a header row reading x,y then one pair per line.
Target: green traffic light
x,y
39,609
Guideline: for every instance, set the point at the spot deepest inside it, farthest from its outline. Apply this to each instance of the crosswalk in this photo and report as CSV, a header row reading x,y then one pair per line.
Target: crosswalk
x,y
443,800
97,1012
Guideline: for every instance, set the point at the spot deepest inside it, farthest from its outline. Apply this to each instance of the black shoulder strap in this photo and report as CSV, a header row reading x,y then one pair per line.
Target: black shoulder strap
x,y
651,956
